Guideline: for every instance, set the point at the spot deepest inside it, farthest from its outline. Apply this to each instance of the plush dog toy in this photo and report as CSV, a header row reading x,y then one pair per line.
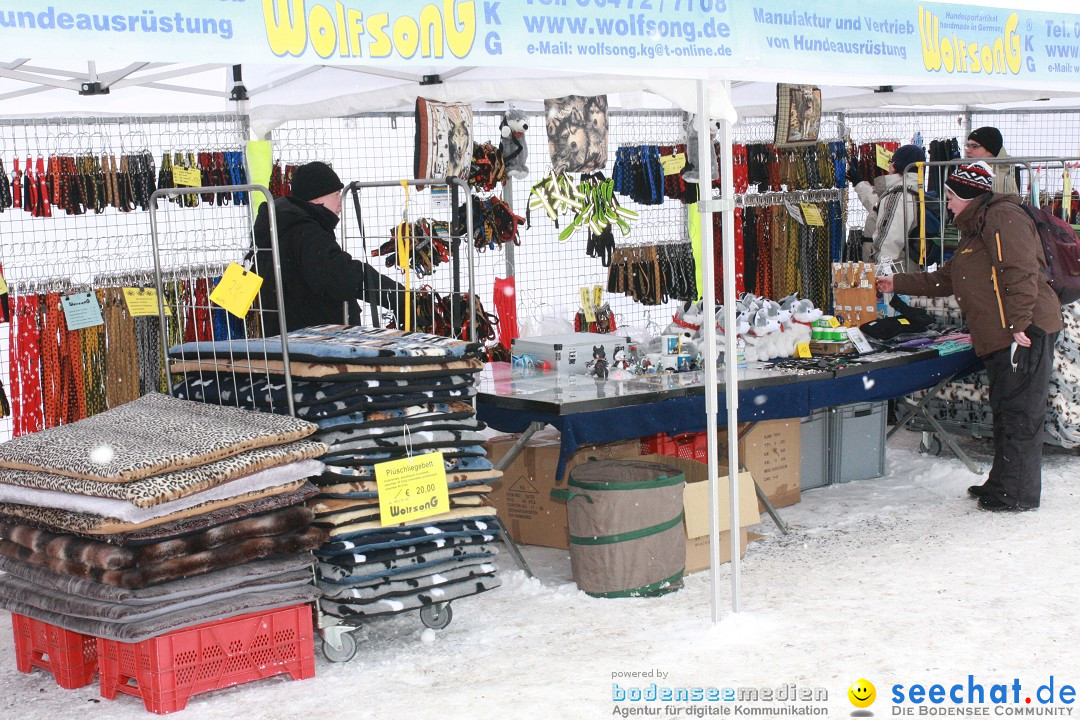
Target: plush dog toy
x,y
515,151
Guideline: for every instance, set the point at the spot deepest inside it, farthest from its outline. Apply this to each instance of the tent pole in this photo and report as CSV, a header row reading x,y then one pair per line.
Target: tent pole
x,y
705,159
731,366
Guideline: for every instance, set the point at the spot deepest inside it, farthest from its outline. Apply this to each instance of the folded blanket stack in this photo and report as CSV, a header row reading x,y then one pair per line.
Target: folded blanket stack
x,y
376,395
158,515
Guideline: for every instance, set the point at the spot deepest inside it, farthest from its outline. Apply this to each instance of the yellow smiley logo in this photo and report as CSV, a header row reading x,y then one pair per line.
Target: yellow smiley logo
x,y
862,693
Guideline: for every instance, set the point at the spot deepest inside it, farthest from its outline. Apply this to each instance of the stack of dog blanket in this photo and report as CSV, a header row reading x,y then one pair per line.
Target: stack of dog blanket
x,y
157,515
376,395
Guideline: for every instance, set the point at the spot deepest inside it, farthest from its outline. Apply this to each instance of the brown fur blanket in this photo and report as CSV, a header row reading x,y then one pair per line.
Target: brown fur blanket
x,y
73,549
177,567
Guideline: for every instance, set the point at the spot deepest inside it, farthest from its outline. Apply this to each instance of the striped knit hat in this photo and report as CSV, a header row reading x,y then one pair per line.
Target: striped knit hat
x,y
971,181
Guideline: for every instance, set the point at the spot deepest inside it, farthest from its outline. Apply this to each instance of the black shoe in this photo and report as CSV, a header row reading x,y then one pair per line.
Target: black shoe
x,y
992,503
978,491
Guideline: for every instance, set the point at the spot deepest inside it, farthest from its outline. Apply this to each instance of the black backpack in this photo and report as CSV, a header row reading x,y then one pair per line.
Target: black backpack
x,y
1062,250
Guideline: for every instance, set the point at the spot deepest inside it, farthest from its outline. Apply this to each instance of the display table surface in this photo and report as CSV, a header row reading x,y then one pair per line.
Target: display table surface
x,y
588,411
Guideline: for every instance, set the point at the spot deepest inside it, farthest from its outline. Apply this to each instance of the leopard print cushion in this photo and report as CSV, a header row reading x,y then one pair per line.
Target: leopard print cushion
x,y
149,436
157,489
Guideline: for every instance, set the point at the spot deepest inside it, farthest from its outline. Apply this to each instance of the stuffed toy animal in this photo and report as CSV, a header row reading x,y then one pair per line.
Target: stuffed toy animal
x,y
515,151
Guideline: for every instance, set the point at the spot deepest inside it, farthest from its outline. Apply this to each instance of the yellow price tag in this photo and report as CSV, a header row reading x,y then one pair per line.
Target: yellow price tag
x,y
586,305
237,290
884,157
833,322
597,295
812,215
903,321
182,177
141,301
1066,196
412,488
802,350
3,286
673,164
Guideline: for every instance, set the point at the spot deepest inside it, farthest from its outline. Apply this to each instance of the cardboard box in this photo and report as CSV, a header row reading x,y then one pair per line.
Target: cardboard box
x,y
523,496
772,452
696,509
697,550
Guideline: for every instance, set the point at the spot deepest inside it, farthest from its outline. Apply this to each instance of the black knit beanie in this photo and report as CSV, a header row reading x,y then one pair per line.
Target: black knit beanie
x,y
314,180
989,138
907,155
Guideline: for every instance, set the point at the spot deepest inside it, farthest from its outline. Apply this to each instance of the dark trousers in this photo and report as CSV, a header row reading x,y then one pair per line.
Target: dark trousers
x,y
1018,403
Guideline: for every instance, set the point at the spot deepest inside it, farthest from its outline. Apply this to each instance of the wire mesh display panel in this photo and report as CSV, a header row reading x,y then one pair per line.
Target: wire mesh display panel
x,y
548,273
94,238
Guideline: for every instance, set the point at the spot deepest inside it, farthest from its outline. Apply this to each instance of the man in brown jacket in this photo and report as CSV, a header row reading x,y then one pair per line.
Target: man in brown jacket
x,y
998,277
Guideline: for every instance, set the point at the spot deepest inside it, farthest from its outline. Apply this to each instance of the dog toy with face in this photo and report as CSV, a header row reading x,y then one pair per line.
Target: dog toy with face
x,y
515,151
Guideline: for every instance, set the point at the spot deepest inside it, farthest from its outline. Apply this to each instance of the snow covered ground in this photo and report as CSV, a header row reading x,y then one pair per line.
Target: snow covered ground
x,y
898,580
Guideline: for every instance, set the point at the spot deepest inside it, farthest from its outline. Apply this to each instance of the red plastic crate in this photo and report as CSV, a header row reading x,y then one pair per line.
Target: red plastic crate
x,y
71,657
167,670
688,446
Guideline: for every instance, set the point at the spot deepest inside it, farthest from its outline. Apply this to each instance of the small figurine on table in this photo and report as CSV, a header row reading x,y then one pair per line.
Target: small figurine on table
x,y
598,368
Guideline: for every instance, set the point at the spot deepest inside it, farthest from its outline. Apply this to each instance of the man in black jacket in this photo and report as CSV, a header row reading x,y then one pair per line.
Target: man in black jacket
x,y
319,278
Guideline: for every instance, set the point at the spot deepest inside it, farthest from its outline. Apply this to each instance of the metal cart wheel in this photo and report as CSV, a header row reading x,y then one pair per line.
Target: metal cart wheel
x,y
931,444
436,616
345,654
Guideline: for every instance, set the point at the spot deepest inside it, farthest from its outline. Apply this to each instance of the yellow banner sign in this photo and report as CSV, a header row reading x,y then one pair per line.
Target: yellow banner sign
x,y
412,488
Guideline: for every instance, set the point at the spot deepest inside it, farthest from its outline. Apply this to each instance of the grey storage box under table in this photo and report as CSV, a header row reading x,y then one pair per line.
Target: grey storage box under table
x,y
857,441
814,441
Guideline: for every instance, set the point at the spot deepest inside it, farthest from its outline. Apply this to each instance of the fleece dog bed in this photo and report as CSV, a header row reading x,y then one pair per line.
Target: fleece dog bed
x,y
340,343
173,590
377,455
326,370
264,393
455,409
366,572
149,436
366,490
392,554
456,514
399,586
372,544
157,489
427,528
422,598
388,431
416,439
